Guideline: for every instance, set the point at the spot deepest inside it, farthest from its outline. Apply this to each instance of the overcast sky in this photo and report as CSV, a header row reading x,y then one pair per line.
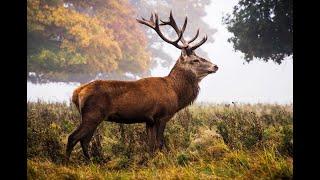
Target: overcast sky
x,y
256,82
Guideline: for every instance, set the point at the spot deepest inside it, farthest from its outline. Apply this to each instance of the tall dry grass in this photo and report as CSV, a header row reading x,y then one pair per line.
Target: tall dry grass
x,y
203,141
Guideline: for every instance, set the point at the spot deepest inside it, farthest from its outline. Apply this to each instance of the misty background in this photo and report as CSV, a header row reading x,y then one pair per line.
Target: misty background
x,y
235,81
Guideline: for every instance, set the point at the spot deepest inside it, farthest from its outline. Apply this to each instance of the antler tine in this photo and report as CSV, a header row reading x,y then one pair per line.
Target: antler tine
x,y
149,23
184,25
199,43
194,38
157,29
182,31
174,25
146,22
171,22
162,36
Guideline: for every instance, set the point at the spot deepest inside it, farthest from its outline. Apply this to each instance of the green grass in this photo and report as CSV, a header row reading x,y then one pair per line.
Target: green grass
x,y
204,142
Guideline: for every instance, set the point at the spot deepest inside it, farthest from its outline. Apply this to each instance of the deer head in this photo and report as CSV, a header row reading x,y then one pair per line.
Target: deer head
x,y
188,60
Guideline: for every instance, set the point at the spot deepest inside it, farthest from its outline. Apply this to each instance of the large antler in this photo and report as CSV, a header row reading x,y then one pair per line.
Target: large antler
x,y
155,25
173,24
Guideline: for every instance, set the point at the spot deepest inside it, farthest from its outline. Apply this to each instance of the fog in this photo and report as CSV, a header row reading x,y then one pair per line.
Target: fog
x,y
235,81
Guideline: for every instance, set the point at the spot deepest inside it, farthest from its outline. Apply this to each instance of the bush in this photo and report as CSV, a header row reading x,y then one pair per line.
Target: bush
x,y
240,129
287,140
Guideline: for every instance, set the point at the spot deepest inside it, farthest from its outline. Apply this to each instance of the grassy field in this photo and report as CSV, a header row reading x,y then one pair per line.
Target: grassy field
x,y
203,142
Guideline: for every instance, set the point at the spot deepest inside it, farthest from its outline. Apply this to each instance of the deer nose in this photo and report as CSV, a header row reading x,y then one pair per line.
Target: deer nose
x,y
213,69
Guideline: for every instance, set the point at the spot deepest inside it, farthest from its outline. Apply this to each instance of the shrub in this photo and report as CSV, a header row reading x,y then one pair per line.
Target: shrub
x,y
287,140
240,129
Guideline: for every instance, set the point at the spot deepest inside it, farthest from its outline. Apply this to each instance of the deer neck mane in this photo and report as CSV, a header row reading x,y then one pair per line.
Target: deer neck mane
x,y
185,84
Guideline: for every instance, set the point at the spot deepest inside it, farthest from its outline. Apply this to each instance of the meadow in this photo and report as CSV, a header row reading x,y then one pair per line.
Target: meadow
x,y
215,141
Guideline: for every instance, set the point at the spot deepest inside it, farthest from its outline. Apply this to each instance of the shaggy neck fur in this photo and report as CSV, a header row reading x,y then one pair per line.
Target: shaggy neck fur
x,y
185,85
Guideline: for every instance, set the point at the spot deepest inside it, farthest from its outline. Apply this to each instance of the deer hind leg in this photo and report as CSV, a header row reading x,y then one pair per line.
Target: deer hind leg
x,y
91,118
83,134
74,138
85,144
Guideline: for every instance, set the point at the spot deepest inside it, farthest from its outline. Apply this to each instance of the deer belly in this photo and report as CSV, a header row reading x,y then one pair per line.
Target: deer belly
x,y
127,119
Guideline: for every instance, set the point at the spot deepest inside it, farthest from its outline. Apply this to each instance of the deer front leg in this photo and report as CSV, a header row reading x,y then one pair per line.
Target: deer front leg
x,y
160,135
161,125
151,134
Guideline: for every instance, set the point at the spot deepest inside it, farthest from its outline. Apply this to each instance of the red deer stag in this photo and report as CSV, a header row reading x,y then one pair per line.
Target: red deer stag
x,y
152,100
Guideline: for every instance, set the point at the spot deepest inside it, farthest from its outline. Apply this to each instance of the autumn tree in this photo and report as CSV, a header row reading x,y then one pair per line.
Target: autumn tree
x,y
262,29
74,40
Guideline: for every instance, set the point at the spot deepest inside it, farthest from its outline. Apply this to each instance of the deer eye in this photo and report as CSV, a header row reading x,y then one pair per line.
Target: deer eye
x,y
195,61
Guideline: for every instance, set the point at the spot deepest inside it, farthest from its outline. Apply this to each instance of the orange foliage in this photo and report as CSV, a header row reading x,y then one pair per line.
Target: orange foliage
x,y
107,37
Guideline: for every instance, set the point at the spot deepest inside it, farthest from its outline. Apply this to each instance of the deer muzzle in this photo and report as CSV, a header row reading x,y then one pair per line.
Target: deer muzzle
x,y
214,68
